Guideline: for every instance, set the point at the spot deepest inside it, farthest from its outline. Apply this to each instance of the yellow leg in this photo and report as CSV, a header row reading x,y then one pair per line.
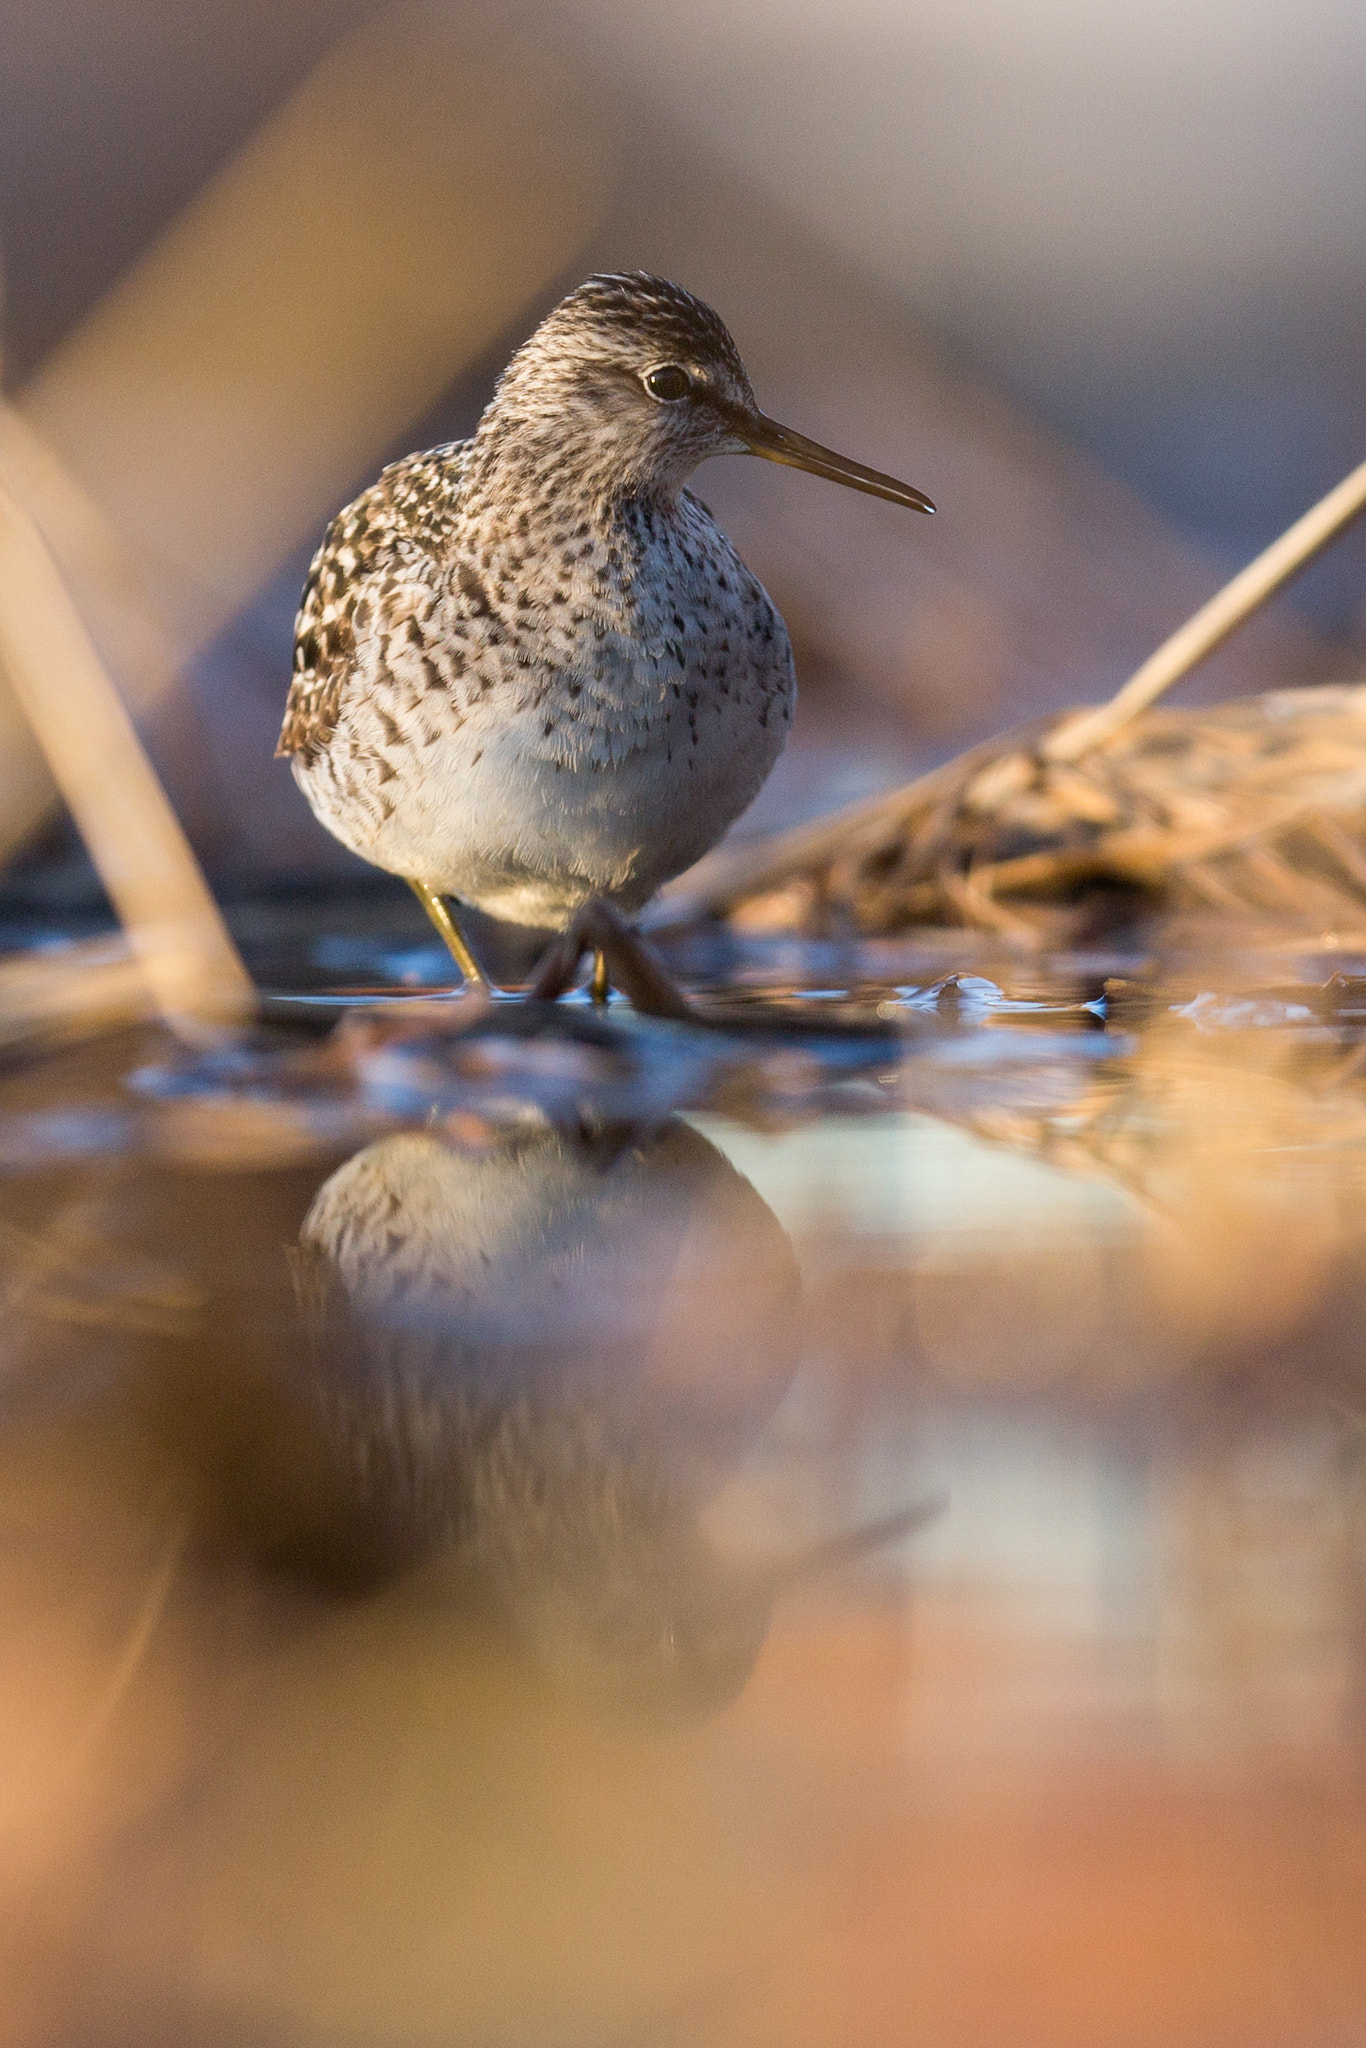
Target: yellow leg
x,y
437,911
599,983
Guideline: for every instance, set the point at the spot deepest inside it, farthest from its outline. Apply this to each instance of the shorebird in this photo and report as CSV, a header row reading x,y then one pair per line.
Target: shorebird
x,y
531,673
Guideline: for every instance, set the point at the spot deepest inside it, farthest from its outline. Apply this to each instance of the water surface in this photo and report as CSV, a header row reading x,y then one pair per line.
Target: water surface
x,y
845,1527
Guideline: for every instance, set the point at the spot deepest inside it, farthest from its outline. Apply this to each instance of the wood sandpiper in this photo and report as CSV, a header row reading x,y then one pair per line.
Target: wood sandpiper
x,y
530,671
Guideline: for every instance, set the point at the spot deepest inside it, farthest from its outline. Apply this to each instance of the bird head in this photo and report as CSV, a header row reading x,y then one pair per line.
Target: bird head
x,y
634,378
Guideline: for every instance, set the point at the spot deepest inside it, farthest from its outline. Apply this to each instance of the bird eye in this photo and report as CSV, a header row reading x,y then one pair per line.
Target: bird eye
x,y
669,382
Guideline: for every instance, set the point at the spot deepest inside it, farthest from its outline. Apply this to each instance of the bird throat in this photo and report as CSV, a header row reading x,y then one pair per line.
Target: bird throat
x,y
565,535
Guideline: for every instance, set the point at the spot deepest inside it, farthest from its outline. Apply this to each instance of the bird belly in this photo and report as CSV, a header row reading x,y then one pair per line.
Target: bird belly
x,y
527,812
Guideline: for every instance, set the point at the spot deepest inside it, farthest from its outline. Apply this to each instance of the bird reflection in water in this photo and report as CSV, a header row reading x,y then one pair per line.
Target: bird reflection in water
x,y
401,1493
540,1372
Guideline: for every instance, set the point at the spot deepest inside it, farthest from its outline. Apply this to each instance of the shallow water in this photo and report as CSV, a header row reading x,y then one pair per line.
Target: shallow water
x,y
455,1579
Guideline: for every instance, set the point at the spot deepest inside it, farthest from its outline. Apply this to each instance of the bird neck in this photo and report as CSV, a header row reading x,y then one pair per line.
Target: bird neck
x,y
540,477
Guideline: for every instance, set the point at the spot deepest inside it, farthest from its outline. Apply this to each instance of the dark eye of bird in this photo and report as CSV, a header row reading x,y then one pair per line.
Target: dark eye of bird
x,y
668,382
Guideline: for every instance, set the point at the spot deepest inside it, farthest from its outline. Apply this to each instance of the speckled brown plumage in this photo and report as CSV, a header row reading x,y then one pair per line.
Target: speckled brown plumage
x,y
405,519
530,668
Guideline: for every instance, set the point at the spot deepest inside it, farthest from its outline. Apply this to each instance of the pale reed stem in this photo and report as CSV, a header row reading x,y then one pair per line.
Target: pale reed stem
x,y
1213,622
97,761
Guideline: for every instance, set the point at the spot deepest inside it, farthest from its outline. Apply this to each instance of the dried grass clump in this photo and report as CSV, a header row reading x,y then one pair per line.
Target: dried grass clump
x,y
1255,809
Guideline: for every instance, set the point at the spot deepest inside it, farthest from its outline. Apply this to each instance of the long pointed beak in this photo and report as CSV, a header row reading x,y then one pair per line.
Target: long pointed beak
x,y
763,436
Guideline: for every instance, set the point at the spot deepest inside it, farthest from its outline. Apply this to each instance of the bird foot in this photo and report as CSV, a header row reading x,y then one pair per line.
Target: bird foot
x,y
621,956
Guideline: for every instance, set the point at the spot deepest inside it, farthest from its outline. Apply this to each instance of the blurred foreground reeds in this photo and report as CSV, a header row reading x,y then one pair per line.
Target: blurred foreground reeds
x,y
86,737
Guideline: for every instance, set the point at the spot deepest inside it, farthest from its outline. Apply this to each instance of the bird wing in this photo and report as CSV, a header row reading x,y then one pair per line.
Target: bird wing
x,y
393,533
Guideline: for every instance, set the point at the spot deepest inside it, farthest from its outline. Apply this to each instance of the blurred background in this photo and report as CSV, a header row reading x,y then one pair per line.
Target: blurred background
x,y
1089,274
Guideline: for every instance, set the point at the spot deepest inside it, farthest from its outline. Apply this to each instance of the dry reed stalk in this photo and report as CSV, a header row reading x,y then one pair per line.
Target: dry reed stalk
x,y
1213,623
107,584
180,942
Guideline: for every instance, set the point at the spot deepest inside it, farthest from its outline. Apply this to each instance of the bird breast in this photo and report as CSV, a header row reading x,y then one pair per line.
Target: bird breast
x,y
554,721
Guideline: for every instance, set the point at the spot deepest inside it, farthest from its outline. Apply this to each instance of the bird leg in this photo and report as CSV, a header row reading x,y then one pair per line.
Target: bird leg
x,y
438,911
619,951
